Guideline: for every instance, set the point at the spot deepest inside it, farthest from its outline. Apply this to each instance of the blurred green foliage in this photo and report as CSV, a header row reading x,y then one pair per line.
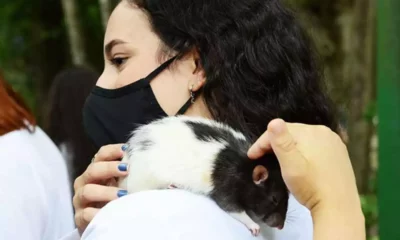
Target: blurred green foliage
x,y
14,44
369,203
28,29
370,208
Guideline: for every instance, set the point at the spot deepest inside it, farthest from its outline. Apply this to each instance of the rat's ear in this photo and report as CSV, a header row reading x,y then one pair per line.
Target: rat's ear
x,y
260,174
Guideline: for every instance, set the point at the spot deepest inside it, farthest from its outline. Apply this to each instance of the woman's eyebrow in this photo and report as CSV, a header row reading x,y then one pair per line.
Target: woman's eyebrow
x,y
109,46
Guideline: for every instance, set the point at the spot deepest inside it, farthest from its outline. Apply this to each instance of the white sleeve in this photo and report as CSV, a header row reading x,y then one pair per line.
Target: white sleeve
x,y
176,214
23,204
34,192
74,235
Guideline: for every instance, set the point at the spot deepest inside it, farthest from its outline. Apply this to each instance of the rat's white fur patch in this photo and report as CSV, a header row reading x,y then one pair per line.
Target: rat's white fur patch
x,y
214,124
172,155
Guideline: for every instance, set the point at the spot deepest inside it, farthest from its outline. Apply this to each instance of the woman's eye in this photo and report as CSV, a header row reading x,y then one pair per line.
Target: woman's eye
x,y
118,61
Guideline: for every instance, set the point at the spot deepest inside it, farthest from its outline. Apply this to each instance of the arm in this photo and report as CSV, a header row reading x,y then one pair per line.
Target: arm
x,y
334,223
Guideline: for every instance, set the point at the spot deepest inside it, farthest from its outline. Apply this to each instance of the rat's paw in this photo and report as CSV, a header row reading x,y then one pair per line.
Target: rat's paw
x,y
247,221
254,229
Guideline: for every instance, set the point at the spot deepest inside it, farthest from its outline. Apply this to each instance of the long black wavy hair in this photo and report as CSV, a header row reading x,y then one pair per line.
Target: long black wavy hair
x,y
63,122
258,61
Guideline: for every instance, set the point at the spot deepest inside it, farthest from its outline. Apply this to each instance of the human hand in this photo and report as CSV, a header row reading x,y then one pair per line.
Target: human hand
x,y
97,185
314,162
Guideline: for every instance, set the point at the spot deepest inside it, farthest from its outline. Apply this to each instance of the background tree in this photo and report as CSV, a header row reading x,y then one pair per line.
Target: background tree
x,y
105,8
75,34
343,31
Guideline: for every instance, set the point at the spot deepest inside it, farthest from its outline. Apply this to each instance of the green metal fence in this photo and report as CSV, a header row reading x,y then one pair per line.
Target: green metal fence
x,y
388,45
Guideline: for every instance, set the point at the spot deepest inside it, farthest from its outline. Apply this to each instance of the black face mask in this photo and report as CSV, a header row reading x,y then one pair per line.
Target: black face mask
x,y
110,115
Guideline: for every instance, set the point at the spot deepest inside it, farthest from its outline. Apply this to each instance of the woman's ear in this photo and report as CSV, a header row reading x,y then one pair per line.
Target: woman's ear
x,y
199,75
198,83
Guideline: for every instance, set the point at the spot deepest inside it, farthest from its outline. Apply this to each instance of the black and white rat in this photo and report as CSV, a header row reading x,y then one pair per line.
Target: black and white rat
x,y
207,157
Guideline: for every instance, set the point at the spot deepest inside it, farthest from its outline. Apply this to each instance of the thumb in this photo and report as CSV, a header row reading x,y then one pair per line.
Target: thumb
x,y
283,144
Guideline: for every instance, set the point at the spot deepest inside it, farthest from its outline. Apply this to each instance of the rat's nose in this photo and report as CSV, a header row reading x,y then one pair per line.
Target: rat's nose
x,y
275,221
280,226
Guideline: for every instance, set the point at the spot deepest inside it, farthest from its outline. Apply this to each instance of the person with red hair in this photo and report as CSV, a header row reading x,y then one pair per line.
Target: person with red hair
x,y
34,185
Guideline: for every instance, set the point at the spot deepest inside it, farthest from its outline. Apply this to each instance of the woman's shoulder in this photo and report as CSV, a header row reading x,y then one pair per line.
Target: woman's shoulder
x,y
32,156
164,214
15,146
35,145
11,140
182,215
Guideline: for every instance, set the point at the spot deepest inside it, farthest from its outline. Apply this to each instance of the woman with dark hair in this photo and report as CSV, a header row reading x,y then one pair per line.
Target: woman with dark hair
x,y
243,63
63,122
33,177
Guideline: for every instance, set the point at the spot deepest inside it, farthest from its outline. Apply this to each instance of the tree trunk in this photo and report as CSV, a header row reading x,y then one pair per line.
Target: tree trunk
x,y
105,9
344,35
47,54
74,29
359,73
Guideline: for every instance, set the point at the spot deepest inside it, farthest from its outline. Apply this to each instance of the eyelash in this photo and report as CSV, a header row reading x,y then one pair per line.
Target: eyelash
x,y
118,61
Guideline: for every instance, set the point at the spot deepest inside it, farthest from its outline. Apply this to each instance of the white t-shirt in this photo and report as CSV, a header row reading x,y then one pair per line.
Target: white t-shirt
x,y
180,215
34,188
67,155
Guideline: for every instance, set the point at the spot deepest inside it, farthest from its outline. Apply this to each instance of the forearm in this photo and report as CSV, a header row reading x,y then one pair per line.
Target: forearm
x,y
331,223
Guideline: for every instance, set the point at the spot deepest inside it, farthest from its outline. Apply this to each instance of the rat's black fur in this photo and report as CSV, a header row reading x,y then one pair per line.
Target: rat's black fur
x,y
234,189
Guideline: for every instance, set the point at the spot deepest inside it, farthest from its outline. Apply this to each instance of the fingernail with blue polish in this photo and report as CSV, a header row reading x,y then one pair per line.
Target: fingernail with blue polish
x,y
124,147
123,167
122,193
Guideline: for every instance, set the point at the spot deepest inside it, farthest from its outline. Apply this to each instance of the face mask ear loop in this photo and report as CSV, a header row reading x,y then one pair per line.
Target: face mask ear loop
x,y
190,101
157,71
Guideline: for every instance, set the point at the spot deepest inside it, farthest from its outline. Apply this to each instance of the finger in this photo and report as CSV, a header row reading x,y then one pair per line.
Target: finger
x,y
99,171
283,144
260,147
84,217
94,193
110,153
